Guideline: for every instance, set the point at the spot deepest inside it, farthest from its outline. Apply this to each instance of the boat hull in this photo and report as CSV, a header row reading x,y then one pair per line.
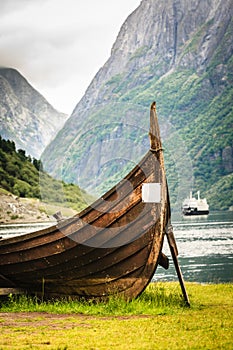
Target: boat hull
x,y
112,247
192,206
195,212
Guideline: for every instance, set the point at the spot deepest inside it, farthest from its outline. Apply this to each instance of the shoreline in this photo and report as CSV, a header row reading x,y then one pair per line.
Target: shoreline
x,y
14,210
18,210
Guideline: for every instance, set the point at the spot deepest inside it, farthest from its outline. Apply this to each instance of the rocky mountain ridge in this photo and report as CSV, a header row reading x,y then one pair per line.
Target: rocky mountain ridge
x,y
163,36
179,53
25,115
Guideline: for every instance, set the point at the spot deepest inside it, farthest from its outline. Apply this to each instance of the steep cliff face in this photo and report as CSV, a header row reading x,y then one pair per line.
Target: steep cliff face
x,y
180,53
159,37
25,116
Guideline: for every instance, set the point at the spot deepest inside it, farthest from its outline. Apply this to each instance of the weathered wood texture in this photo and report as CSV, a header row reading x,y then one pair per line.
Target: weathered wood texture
x,y
114,246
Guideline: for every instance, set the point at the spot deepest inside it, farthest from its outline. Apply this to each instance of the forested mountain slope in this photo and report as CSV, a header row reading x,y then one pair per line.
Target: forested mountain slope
x,y
24,177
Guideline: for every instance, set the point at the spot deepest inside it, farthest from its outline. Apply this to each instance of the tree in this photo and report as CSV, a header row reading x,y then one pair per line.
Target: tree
x,y
37,164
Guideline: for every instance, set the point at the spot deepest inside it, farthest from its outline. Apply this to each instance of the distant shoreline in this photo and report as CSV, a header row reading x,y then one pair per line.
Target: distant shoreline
x,y
18,210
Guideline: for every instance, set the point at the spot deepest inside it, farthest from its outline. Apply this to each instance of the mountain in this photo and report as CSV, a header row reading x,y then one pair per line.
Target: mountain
x,y
178,53
25,115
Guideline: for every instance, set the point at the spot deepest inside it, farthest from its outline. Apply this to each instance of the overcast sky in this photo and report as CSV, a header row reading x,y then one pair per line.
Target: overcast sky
x,y
59,45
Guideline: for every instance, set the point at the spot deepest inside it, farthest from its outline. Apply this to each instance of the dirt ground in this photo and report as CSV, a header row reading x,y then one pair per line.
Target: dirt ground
x,y
37,319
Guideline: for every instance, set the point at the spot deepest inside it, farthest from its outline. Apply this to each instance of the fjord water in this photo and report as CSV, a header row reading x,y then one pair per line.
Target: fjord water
x,y
205,245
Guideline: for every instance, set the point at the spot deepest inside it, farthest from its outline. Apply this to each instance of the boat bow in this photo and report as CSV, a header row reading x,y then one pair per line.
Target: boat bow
x,y
112,247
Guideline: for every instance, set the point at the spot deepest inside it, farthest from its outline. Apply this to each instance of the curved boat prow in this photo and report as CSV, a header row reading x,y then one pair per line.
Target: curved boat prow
x,y
154,133
156,146
112,247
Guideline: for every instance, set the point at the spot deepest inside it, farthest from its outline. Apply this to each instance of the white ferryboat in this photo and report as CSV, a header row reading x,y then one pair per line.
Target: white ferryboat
x,y
193,206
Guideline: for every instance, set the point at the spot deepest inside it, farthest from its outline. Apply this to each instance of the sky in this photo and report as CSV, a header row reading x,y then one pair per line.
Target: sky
x,y
59,45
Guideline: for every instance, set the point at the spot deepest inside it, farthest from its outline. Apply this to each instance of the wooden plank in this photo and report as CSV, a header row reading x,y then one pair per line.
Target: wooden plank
x,y
7,291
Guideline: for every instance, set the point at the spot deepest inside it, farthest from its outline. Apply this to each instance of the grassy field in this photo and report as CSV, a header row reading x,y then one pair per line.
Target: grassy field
x,y
158,319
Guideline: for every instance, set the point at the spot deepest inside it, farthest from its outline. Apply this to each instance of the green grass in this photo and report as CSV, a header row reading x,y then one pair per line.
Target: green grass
x,y
157,299
158,319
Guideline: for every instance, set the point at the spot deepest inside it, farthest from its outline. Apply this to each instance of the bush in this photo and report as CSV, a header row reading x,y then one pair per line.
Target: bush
x,y
22,189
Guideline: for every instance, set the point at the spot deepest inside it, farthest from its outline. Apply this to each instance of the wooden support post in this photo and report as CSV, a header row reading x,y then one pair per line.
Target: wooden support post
x,y
174,253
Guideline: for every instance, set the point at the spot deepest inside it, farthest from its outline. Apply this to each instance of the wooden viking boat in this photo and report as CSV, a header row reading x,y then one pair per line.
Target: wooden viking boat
x,y
112,247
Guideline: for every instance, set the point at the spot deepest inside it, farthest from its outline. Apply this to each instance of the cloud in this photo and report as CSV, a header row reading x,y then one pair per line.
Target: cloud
x,y
60,44
12,5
